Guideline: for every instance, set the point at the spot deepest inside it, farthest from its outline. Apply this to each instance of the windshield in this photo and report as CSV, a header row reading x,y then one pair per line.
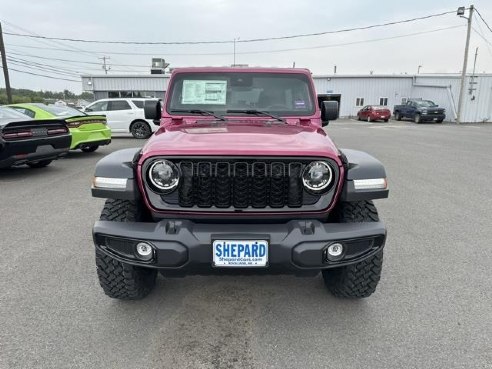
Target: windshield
x,y
426,103
285,94
60,111
9,113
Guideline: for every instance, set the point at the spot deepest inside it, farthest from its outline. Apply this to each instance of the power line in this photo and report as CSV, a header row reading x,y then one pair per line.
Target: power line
x,y
262,51
77,61
480,15
55,67
228,41
43,75
45,69
95,53
488,44
59,68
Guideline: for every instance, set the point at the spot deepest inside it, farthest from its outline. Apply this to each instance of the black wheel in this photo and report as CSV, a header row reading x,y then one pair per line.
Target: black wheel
x,y
40,164
89,148
140,129
120,280
439,120
397,115
386,120
361,279
417,119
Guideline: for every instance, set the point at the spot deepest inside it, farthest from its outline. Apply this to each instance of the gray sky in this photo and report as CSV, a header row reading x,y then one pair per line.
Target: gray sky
x,y
192,20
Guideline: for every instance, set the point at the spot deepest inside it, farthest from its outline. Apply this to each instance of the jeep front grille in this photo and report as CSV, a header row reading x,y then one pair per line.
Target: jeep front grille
x,y
228,184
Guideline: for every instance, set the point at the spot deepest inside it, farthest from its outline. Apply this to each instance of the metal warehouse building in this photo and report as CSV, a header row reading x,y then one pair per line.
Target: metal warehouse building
x,y
352,91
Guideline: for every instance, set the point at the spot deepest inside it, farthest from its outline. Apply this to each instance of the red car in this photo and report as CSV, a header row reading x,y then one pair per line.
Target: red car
x,y
372,113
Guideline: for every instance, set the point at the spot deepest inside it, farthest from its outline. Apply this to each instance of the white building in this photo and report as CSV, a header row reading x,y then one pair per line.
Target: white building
x,y
352,91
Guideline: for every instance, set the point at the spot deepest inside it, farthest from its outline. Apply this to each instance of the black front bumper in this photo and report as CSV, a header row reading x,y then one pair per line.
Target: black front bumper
x,y
185,246
431,117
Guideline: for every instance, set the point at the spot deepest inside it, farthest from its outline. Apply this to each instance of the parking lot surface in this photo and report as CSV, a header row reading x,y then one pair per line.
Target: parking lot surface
x,y
432,309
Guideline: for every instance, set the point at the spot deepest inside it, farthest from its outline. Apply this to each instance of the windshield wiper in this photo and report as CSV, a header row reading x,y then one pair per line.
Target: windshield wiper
x,y
256,112
198,111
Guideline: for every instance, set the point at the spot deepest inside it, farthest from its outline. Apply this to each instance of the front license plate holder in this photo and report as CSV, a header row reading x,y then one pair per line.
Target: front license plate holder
x,y
240,253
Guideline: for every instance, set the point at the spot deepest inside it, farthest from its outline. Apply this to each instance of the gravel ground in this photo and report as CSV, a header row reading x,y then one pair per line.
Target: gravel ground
x,y
432,309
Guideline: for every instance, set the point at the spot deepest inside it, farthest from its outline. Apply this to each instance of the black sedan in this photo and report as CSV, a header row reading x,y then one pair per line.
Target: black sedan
x,y
33,142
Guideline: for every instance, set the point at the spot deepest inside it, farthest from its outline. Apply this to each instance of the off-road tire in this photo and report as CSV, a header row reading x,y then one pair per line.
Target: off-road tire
x,y
140,129
40,164
89,148
398,116
120,280
361,279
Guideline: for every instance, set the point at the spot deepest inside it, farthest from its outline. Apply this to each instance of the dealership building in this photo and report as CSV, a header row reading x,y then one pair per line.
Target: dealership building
x,y
352,91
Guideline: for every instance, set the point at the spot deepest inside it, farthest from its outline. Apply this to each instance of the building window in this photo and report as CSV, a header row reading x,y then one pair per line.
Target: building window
x,y
359,101
383,101
130,94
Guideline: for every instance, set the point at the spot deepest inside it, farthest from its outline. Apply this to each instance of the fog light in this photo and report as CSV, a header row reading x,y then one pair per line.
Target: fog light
x,y
144,251
334,252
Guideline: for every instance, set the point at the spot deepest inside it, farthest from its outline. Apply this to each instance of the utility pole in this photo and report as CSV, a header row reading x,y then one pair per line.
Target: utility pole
x,y
234,60
105,67
465,63
5,67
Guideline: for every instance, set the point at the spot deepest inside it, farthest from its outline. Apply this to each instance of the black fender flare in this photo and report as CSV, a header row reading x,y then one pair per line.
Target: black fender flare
x,y
358,166
119,164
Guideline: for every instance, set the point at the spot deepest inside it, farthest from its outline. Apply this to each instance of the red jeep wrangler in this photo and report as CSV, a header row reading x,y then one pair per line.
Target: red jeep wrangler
x,y
239,177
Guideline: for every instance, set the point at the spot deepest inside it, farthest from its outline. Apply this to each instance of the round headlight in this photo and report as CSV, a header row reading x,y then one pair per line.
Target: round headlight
x,y
317,176
164,175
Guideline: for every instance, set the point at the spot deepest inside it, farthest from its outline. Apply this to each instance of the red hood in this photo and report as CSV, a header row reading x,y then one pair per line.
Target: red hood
x,y
240,139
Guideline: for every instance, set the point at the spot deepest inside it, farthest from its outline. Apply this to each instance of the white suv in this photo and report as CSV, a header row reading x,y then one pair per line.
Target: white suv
x,y
124,115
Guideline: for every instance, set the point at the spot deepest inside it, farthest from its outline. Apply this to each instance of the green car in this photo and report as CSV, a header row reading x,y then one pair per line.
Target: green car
x,y
88,131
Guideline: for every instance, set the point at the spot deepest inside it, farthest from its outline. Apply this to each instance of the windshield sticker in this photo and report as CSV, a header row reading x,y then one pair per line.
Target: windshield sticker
x,y
204,92
299,104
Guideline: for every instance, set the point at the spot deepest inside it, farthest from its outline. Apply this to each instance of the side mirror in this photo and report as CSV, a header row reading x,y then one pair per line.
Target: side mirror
x,y
329,111
152,109
86,109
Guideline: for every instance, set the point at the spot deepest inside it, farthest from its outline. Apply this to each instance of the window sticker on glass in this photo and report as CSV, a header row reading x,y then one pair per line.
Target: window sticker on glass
x,y
204,92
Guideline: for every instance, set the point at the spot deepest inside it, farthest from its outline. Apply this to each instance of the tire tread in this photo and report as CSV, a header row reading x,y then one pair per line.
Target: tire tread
x,y
361,279
117,279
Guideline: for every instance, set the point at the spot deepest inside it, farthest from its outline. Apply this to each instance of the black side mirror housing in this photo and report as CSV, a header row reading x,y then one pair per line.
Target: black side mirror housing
x,y
329,111
87,109
152,110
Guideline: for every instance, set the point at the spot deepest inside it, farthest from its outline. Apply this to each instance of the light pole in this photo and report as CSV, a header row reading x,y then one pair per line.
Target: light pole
x,y
461,12
418,69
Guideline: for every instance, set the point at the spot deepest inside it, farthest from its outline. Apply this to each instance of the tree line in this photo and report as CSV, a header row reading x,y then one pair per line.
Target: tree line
x,y
22,95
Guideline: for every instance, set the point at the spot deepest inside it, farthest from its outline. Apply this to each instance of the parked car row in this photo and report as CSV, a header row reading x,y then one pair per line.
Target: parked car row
x,y
417,110
88,132
36,134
